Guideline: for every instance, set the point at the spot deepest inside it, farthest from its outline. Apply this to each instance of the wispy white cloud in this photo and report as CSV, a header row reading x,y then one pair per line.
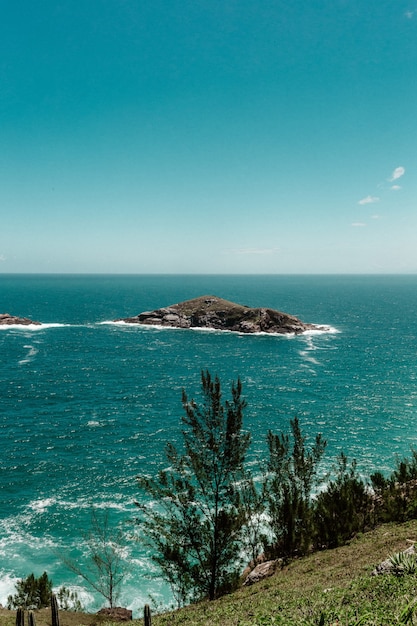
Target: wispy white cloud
x,y
376,217
358,224
369,200
397,173
409,14
2,258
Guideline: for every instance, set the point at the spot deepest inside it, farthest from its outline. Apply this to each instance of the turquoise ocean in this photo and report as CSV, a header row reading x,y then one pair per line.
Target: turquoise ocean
x,y
86,404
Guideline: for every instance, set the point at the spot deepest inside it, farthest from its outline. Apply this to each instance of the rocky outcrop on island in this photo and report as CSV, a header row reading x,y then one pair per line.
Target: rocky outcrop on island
x,y
219,314
12,320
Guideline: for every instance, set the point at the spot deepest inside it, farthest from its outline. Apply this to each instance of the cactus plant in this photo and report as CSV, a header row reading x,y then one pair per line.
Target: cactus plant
x,y
20,617
147,615
31,619
54,609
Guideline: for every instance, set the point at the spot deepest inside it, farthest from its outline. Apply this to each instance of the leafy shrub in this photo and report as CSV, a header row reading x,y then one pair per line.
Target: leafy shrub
x,y
32,593
397,494
291,476
68,600
343,509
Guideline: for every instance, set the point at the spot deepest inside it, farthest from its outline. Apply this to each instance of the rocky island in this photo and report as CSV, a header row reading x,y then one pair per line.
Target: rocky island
x,y
219,314
12,320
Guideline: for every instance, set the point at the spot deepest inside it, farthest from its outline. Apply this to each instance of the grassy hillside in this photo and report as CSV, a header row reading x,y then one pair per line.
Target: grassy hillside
x,y
327,588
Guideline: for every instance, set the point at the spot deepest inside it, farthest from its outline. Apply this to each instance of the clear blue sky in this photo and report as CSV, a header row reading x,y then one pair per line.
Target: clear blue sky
x,y
208,136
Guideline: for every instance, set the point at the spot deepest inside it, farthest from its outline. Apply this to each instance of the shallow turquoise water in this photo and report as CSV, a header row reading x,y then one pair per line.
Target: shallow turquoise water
x,y
87,405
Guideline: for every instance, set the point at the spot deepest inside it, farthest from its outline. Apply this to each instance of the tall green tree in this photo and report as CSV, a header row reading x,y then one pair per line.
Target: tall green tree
x,y
196,527
291,476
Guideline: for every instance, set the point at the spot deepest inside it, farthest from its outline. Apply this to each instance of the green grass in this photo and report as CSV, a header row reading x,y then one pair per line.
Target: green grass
x,y
328,588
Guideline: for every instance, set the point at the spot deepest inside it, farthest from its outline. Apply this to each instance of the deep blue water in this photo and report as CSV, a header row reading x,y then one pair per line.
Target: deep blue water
x,y
86,405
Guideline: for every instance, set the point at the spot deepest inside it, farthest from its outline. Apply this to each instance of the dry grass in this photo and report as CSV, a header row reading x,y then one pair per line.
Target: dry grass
x,y
43,618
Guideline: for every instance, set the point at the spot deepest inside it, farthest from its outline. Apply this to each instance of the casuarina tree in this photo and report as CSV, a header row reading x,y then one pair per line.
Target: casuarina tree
x,y
291,476
196,526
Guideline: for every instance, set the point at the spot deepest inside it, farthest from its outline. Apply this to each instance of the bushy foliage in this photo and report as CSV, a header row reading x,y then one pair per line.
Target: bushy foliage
x,y
397,494
31,593
196,529
208,515
291,476
35,593
252,500
68,600
343,509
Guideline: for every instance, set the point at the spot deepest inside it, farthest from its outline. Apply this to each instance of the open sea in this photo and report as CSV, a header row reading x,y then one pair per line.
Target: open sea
x,y
86,404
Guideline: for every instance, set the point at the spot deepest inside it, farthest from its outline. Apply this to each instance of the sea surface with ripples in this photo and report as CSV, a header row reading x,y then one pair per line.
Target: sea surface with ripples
x,y
86,404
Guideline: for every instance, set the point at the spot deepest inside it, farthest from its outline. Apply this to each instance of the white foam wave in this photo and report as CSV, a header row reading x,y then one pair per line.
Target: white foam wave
x,y
310,347
117,506
308,358
13,533
85,597
23,327
201,329
322,330
155,327
319,330
40,506
94,423
7,586
54,325
87,503
32,352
